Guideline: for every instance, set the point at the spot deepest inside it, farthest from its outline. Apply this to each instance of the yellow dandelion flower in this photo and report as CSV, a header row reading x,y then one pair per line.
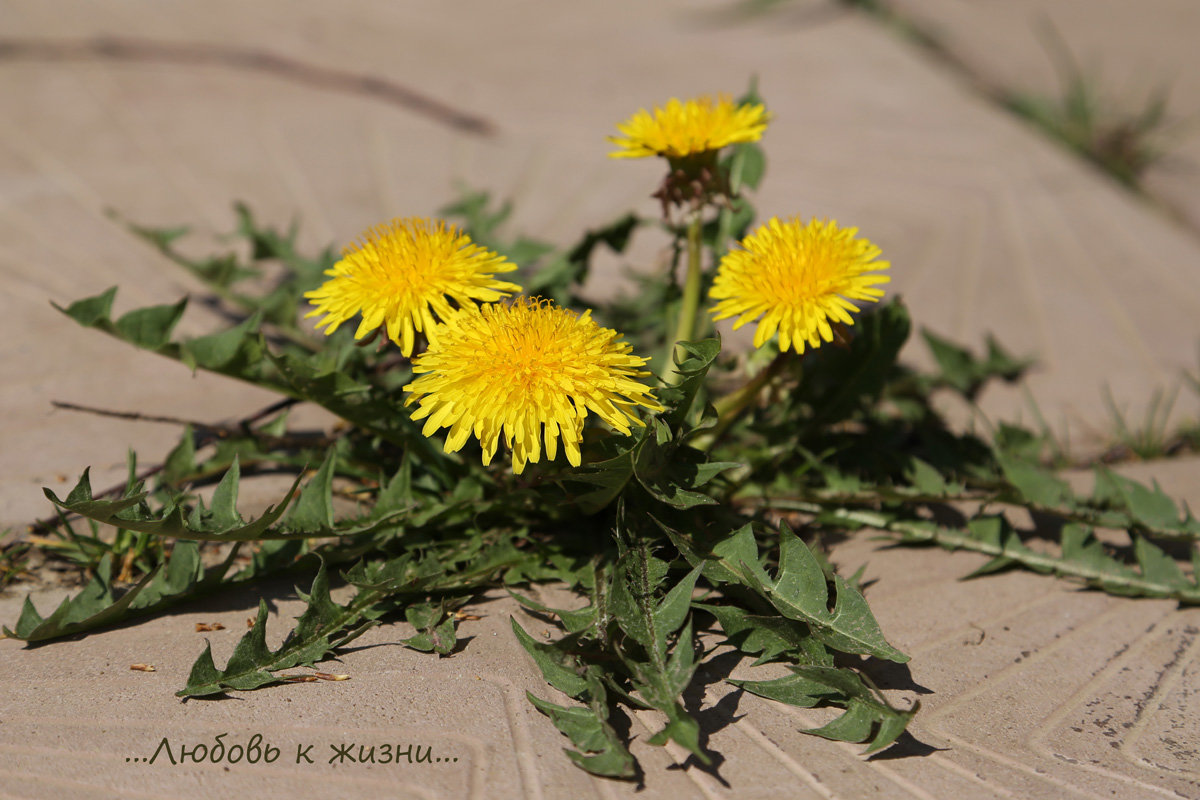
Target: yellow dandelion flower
x,y
800,277
530,371
402,273
680,129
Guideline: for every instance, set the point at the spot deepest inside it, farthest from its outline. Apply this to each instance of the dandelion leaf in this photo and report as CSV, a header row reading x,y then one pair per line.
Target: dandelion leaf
x,y
323,627
182,577
435,628
1148,507
219,523
313,509
692,368
574,621
600,749
868,718
1035,484
767,637
560,669
799,592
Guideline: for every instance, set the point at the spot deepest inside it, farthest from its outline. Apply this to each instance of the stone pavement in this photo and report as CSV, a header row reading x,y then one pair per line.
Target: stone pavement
x,y
166,112
1129,52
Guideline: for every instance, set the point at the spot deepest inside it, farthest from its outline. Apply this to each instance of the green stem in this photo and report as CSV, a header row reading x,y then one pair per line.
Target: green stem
x,y
912,531
733,405
685,328
644,596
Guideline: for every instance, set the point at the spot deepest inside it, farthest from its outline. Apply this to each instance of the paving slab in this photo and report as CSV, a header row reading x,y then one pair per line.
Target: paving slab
x,y
169,111
1130,53
990,228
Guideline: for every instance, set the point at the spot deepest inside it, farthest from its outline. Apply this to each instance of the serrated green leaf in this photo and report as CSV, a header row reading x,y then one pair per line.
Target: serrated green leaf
x,y
313,509
681,664
234,350
842,381
1082,549
732,224
181,577
363,405
578,723
683,729
692,368
423,615
81,492
672,472
626,609
221,523
562,671
1082,558
556,278
794,689
868,718
150,328
603,753
204,670
965,373
242,670
994,533
397,494
767,637
798,592
574,621
90,310
925,478
746,165
1151,507
853,726
1036,485
473,207
323,627
738,549
1157,566
1018,442
956,363
224,513
723,563
673,608
435,628
181,461
608,477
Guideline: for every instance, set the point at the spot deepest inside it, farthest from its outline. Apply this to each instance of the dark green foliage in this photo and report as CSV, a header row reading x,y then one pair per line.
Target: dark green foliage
x,y
219,523
323,627
98,605
868,717
600,750
967,374
798,592
435,628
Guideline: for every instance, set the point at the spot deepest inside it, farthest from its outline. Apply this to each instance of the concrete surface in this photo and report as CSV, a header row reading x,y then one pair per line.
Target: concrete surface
x,y
1129,52
347,117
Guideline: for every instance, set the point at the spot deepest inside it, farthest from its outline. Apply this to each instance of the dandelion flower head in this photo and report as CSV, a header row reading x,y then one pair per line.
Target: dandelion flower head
x,y
529,371
682,129
400,274
798,278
